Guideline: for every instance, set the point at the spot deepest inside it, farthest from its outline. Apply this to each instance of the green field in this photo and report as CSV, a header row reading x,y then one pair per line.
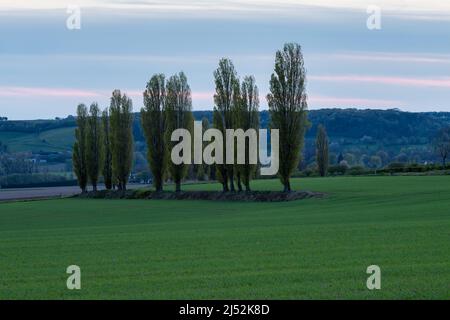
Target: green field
x,y
55,140
315,248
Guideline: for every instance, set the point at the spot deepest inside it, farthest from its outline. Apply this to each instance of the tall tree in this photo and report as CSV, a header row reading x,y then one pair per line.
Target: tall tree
x,y
94,145
121,122
247,117
178,115
227,83
322,156
441,144
154,125
80,149
208,170
288,108
107,156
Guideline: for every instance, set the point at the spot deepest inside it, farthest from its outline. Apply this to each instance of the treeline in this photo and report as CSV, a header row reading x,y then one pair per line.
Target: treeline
x,y
35,180
105,145
36,126
386,126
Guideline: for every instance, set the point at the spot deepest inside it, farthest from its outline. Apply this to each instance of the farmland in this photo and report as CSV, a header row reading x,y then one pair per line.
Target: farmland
x,y
159,249
55,140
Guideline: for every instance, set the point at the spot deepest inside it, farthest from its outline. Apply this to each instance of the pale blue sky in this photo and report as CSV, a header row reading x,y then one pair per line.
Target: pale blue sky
x,y
46,69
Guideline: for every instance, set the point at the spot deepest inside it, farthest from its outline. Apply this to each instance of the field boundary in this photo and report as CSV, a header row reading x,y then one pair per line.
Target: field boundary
x,y
251,196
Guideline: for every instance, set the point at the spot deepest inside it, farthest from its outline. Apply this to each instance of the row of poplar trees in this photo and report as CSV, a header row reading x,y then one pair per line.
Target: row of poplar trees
x,y
104,144
236,106
168,106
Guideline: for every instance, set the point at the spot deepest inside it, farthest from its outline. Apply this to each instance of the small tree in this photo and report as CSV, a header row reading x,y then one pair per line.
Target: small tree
x,y
288,107
121,122
226,85
79,148
107,156
247,118
322,157
94,145
154,125
441,144
178,115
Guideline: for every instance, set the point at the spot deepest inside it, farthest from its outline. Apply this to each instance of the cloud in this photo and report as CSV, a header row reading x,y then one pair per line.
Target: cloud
x,y
325,101
45,92
386,80
411,9
27,92
393,57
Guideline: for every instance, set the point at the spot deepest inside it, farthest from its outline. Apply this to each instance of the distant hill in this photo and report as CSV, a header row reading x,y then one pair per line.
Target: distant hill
x,y
391,130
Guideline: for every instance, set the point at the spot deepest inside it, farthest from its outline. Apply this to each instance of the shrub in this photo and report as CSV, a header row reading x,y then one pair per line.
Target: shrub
x,y
339,169
356,170
35,180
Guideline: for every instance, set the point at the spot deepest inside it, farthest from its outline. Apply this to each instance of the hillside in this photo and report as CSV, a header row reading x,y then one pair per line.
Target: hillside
x,y
54,140
350,130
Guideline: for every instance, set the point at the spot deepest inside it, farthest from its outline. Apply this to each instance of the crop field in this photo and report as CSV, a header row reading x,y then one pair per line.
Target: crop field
x,y
159,249
55,140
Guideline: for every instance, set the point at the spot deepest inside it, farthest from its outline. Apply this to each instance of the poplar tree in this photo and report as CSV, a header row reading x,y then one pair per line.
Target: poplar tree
x,y
178,115
107,156
248,118
121,122
155,126
322,156
94,145
208,170
226,82
288,108
79,148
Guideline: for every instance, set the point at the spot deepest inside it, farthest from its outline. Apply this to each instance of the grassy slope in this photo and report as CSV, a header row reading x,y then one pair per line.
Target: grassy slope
x,y
316,248
50,141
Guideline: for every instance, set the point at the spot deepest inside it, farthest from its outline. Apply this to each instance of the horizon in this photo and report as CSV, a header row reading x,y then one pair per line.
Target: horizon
x,y
260,111
48,69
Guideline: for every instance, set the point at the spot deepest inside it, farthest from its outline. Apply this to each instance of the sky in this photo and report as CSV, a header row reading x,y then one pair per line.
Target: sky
x,y
47,69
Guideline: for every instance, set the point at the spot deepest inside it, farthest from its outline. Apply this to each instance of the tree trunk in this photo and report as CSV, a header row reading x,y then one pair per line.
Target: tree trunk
x,y
177,186
247,187
158,184
225,187
287,186
232,189
94,186
239,184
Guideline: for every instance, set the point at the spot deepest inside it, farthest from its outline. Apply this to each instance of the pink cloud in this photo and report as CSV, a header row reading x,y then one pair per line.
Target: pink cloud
x,y
47,92
203,95
402,81
394,57
349,101
7,91
196,95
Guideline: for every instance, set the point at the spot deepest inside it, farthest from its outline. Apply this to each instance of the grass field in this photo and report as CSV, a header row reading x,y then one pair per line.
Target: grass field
x,y
55,140
315,248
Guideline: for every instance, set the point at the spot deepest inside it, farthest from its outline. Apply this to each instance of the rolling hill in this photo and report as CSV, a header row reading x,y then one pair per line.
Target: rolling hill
x,y
54,140
350,130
